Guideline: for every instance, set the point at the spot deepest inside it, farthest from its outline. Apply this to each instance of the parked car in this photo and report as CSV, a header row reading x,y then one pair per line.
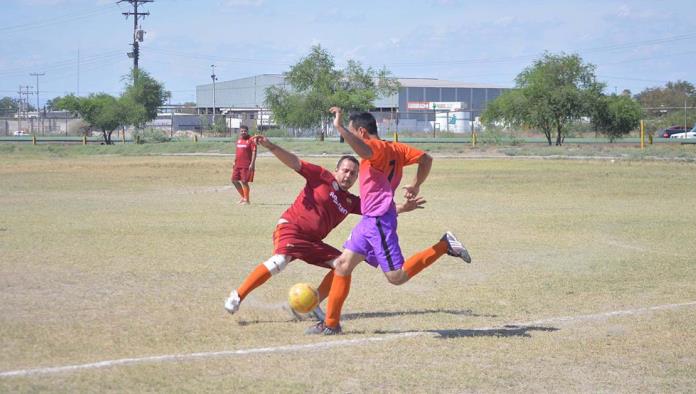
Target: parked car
x,y
20,132
688,134
667,132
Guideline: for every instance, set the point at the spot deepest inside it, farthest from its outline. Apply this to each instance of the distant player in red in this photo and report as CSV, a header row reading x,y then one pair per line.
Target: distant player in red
x,y
244,162
322,205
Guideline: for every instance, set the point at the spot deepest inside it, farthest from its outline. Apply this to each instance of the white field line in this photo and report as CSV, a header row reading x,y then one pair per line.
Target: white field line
x,y
321,345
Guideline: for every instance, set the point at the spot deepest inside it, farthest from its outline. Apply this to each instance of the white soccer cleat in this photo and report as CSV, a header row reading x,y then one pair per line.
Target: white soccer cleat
x,y
232,302
455,248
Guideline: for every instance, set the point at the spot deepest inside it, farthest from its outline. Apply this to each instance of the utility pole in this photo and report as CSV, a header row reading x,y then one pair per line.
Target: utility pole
x,y
24,93
138,35
38,111
214,78
78,71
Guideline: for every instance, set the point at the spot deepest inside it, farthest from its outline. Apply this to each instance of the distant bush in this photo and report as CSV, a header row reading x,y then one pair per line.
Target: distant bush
x,y
150,135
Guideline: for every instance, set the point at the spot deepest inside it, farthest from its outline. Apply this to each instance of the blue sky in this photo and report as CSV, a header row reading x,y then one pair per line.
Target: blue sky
x,y
634,44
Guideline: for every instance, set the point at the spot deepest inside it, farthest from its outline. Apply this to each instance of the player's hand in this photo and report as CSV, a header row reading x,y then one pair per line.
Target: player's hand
x,y
412,204
338,116
261,140
411,191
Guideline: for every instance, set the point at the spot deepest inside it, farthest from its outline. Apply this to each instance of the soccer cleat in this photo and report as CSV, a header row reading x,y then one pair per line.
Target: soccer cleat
x,y
232,302
322,329
455,248
316,314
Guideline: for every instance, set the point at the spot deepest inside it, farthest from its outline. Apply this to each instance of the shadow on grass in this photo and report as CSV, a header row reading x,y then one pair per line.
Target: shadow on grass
x,y
371,315
505,331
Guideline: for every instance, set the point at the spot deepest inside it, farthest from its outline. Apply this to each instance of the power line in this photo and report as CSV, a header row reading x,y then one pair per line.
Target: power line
x,y
56,20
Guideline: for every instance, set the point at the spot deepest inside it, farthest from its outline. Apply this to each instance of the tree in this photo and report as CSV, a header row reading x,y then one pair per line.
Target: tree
x,y
137,105
145,92
101,110
616,115
8,105
554,91
315,85
665,105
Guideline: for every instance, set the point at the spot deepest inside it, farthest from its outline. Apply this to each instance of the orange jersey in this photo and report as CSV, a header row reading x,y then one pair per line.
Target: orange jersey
x,y
381,174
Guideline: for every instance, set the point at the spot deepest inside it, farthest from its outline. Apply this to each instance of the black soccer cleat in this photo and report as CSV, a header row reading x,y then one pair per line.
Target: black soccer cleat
x,y
455,248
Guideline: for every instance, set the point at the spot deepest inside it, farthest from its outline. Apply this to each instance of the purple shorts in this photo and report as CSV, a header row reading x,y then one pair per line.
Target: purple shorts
x,y
375,238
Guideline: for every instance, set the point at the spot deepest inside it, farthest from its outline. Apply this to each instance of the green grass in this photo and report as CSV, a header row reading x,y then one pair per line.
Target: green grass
x,y
125,255
443,146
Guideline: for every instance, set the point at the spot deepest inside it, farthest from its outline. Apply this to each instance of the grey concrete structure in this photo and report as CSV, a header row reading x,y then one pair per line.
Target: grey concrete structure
x,y
422,104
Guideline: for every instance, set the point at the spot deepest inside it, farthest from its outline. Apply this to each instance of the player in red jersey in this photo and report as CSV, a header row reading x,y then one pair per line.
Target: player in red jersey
x,y
244,162
321,206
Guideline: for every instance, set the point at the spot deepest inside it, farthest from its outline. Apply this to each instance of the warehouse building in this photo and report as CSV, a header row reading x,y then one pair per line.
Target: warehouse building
x,y
421,104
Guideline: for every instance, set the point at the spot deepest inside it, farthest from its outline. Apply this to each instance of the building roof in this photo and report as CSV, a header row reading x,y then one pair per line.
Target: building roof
x,y
441,83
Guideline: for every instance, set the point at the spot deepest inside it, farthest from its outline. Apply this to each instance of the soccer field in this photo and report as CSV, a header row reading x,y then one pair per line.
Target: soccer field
x,y
114,271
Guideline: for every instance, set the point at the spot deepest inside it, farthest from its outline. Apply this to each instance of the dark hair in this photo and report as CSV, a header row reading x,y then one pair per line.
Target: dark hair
x,y
349,158
366,120
243,127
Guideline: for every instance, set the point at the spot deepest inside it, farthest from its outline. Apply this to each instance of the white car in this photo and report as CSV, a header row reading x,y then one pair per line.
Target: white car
x,y
689,134
20,132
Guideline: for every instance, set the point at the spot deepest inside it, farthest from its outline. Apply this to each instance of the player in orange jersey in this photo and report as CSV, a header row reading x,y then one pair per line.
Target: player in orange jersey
x,y
374,238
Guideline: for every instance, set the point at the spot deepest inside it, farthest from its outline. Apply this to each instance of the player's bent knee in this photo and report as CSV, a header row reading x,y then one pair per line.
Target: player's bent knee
x,y
398,277
277,263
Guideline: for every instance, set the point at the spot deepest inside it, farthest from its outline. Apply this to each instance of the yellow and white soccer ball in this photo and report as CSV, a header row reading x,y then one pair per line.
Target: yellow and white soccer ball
x,y
303,297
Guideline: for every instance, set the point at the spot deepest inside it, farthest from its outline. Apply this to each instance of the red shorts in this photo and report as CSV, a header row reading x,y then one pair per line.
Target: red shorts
x,y
242,174
288,240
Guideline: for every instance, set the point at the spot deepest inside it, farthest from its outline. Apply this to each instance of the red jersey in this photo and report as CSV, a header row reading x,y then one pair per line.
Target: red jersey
x,y
381,174
245,150
321,205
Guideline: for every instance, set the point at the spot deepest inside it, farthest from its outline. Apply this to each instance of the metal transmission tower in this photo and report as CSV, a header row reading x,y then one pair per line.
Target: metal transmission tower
x,y
138,34
38,109
22,109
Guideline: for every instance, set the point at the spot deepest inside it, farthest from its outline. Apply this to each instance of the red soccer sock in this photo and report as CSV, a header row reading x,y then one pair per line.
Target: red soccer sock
x,y
340,287
325,285
256,278
424,258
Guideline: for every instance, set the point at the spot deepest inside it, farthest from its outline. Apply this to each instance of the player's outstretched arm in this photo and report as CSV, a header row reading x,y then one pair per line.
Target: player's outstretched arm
x,y
359,146
424,164
410,205
287,158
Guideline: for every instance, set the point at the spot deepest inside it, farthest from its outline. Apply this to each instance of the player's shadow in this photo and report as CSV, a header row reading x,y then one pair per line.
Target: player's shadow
x,y
370,315
504,331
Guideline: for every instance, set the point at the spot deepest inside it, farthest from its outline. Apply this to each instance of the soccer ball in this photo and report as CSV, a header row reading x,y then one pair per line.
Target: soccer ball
x,y
303,297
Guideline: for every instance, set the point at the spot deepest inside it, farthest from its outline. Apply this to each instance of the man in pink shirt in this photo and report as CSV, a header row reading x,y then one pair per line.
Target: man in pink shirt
x,y
374,238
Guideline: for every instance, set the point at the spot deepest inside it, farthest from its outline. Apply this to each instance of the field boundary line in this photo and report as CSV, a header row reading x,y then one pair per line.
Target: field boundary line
x,y
322,345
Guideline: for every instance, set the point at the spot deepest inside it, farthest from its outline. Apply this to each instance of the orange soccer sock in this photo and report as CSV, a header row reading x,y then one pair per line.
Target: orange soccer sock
x,y
245,190
424,258
340,287
325,285
256,278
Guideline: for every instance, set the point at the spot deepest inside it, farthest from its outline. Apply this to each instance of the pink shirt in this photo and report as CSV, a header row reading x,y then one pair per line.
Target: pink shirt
x,y
380,175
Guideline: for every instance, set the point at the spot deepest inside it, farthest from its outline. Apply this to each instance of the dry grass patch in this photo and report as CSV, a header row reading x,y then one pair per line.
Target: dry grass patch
x,y
114,257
